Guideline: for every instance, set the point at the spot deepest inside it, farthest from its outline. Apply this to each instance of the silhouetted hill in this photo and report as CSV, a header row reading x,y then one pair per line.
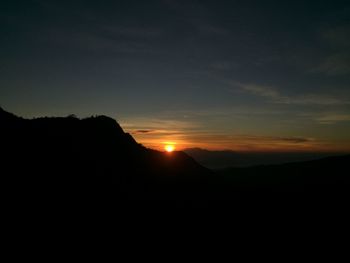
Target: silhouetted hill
x,y
226,158
320,181
93,154
89,161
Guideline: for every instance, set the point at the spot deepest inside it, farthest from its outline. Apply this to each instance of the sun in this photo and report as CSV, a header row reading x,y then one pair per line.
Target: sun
x,y
169,148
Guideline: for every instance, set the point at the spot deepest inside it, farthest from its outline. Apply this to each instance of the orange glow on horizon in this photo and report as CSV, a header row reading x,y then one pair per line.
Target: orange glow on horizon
x,y
169,148
238,143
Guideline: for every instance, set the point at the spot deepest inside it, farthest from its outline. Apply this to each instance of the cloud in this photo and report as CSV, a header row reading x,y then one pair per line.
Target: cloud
x,y
210,29
143,131
132,31
156,132
333,118
294,139
250,142
338,36
84,40
314,100
275,139
157,124
306,99
338,64
223,65
197,16
189,133
187,137
264,91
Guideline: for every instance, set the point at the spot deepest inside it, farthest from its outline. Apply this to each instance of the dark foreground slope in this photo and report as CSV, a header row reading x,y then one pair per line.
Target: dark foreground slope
x,y
67,160
323,181
228,158
69,157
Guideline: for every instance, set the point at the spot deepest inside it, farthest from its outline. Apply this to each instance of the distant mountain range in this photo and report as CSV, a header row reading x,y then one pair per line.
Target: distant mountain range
x,y
227,158
71,161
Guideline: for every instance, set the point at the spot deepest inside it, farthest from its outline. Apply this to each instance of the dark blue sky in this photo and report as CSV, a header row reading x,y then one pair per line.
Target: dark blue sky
x,y
242,75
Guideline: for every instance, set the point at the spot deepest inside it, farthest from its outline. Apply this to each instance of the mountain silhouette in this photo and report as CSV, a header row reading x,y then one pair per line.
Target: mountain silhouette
x,y
320,181
228,158
79,156
67,160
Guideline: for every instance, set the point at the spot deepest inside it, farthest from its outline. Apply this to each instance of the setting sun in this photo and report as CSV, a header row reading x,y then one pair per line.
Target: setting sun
x,y
169,148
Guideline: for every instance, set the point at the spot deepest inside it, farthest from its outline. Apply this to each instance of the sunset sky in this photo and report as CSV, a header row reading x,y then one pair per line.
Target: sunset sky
x,y
215,74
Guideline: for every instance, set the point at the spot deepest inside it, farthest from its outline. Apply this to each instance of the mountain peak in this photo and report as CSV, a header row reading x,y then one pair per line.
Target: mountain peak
x,y
103,123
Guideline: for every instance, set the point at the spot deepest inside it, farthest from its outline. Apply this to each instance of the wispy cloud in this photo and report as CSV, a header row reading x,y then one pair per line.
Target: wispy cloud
x,y
132,31
255,139
143,131
333,118
186,134
314,100
109,41
144,123
337,60
294,139
275,96
223,65
337,36
260,90
197,16
337,64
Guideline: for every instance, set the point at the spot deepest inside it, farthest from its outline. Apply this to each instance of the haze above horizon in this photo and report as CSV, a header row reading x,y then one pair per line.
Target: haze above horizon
x,y
238,75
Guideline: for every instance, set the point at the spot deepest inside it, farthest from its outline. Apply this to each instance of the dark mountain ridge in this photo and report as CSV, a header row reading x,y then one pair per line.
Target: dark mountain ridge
x,y
228,158
316,179
93,159
79,154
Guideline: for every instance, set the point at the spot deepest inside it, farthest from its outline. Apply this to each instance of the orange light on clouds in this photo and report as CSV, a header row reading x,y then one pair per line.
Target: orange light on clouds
x,y
177,139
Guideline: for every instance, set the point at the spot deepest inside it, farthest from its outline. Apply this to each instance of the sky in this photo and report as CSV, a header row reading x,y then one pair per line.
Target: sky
x,y
214,74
